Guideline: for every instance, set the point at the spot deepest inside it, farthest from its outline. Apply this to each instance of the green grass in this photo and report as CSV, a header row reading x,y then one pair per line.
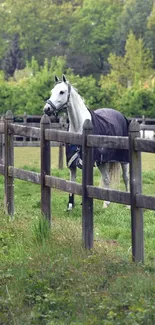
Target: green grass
x,y
46,277
30,156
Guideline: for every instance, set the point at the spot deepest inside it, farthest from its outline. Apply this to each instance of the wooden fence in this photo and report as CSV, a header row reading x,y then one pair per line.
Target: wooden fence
x,y
133,143
61,124
22,141
56,123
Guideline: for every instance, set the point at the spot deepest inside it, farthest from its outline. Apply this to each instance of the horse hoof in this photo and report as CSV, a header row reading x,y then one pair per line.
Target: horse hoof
x,y
70,207
105,204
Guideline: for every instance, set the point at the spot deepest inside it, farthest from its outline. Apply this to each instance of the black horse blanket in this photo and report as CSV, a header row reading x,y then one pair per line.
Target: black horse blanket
x,y
105,121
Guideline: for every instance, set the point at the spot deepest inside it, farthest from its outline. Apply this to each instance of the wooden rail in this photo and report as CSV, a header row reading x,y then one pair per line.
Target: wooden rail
x,y
135,198
30,132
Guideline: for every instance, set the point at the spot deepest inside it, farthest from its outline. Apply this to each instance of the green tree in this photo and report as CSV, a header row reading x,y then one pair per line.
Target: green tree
x,y
137,102
134,17
138,59
3,30
43,27
136,65
13,58
27,19
92,33
151,33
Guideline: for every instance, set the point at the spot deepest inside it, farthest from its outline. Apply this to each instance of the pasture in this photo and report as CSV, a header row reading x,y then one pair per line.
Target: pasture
x,y
48,278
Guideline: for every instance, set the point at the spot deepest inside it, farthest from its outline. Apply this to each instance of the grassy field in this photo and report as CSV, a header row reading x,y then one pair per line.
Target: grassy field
x,y
46,277
31,157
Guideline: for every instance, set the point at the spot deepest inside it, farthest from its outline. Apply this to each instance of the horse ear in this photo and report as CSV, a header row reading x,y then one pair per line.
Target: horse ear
x,y
56,79
64,78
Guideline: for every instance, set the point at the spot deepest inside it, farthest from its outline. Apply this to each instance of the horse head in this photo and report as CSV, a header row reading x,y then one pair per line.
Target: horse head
x,y
59,99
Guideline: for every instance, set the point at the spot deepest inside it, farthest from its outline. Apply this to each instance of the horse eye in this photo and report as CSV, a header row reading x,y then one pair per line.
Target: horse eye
x,y
61,92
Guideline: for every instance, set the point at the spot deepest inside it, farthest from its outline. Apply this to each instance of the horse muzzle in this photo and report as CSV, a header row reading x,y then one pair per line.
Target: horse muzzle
x,y
50,108
47,110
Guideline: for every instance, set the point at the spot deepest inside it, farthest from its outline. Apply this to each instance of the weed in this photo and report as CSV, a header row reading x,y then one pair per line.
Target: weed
x,y
41,230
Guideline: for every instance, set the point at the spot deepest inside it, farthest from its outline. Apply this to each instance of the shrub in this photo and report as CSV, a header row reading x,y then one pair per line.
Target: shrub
x,y
30,91
137,102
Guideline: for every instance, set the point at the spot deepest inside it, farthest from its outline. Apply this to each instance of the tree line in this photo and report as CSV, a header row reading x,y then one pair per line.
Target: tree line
x,y
106,48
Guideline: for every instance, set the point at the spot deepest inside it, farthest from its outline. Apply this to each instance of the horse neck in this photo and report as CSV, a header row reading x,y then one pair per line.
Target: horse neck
x,y
77,112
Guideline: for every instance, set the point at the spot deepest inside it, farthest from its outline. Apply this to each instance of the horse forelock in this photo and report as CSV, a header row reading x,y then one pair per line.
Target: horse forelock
x,y
72,88
67,83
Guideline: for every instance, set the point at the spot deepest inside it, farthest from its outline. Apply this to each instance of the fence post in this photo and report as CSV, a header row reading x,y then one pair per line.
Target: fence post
x,y
61,155
61,146
1,145
8,161
25,123
87,179
136,188
45,168
143,122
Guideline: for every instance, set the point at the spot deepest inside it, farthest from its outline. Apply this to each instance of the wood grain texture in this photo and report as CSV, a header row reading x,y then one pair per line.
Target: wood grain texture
x,y
45,157
24,175
8,161
63,136
25,131
87,179
1,169
145,201
107,141
63,185
136,188
144,145
1,127
108,195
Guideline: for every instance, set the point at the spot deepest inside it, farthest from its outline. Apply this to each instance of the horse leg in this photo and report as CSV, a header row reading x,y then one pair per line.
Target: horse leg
x,y
125,175
70,204
104,170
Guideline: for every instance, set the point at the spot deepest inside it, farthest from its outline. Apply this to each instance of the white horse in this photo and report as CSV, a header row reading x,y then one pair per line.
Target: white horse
x,y
65,97
147,134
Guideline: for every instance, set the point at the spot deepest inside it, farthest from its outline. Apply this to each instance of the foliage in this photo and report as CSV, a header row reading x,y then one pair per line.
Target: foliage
x,y
29,88
5,97
137,62
41,34
30,92
86,32
137,102
94,28
32,88
13,58
151,33
134,18
103,47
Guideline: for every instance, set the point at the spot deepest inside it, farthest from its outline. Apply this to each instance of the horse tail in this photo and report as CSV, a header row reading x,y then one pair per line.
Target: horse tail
x,y
114,171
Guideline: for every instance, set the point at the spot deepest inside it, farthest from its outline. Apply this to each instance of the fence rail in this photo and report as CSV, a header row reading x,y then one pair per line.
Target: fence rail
x,y
29,136
135,198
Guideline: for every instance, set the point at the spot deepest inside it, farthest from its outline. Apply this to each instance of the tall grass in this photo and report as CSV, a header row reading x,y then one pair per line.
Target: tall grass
x,y
40,230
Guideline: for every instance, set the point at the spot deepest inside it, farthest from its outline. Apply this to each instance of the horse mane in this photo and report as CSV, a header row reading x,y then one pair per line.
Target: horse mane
x,y
79,96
